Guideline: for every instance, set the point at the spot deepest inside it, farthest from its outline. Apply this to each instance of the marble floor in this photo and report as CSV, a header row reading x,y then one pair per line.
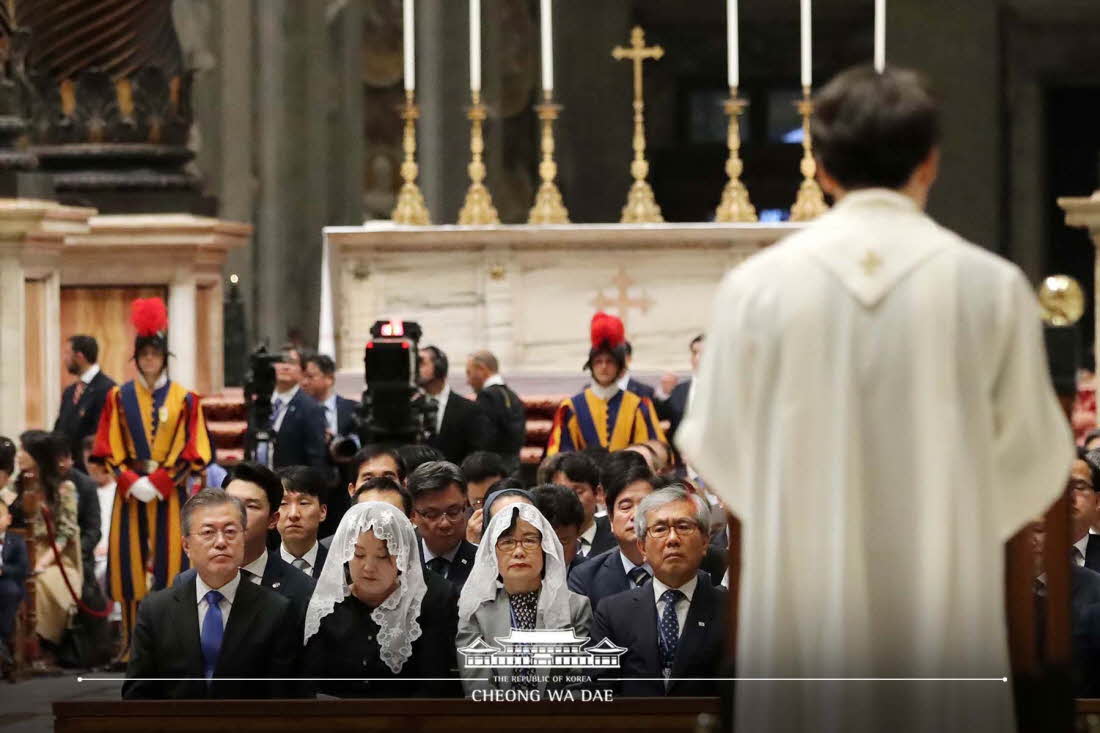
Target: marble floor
x,y
25,706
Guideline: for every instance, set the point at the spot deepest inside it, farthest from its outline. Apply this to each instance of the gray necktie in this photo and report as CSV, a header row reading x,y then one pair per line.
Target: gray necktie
x,y
301,564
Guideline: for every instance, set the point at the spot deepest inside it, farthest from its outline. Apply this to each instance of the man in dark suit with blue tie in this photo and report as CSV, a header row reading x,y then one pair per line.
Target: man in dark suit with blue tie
x,y
216,628
13,576
438,492
82,401
261,492
673,626
296,419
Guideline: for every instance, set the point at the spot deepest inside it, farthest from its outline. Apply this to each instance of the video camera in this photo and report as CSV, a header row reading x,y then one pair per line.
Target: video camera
x,y
258,388
393,410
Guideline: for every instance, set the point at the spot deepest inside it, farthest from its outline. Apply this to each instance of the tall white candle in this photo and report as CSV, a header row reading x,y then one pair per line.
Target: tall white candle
x,y
410,45
880,35
807,44
733,71
547,48
475,45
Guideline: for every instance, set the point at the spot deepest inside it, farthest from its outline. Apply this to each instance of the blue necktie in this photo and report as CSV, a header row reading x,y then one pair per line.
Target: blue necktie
x,y
669,627
212,631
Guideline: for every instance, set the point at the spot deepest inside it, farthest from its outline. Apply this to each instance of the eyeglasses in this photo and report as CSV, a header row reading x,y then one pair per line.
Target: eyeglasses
x,y
508,544
434,515
208,534
684,528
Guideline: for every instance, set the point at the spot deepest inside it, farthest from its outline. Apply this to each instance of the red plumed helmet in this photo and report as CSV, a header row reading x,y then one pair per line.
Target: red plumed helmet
x,y
149,316
607,331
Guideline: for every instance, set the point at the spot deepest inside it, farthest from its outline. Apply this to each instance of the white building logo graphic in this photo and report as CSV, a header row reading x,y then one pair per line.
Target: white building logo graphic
x,y
542,648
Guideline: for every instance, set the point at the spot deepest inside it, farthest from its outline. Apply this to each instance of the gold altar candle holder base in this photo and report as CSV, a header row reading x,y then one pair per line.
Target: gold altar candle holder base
x,y
410,208
810,202
735,205
477,209
549,207
641,205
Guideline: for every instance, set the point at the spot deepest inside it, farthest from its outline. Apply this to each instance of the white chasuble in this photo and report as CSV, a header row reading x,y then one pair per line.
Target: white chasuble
x,y
874,404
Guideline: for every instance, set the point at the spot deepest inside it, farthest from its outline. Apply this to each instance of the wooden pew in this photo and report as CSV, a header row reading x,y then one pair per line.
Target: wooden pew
x,y
671,715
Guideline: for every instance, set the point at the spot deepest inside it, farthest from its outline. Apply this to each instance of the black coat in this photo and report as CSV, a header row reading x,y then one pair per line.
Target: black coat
x,y
674,407
88,518
1085,625
259,641
342,474
629,620
346,645
603,575
82,419
508,417
14,560
465,428
281,577
301,437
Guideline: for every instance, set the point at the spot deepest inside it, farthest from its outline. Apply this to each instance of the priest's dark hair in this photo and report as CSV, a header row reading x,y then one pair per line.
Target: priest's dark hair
x,y
873,129
577,467
386,484
371,451
483,464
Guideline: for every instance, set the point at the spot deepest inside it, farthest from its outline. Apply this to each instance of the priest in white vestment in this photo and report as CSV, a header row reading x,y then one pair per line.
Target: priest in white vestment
x,y
874,404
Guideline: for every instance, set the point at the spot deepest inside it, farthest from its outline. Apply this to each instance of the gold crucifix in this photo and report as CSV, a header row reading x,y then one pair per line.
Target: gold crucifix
x,y
641,206
622,302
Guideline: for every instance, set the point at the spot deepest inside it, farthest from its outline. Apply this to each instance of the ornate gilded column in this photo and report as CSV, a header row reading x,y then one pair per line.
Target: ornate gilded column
x,y
111,110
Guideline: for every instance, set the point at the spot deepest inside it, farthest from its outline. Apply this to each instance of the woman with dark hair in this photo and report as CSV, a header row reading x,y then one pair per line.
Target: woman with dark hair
x,y
7,469
47,505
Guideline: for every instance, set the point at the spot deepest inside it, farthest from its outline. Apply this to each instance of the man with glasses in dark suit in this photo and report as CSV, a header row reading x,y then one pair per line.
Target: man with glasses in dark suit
x,y
440,511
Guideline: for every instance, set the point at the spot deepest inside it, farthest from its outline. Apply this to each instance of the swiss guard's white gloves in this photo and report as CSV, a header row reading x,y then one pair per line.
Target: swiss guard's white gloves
x,y
143,490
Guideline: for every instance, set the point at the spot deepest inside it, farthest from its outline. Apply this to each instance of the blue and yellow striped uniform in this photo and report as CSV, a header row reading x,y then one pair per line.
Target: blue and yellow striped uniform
x,y
586,420
160,434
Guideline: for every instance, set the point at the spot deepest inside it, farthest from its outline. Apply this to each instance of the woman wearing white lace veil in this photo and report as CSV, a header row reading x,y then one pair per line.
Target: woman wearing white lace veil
x,y
518,582
375,613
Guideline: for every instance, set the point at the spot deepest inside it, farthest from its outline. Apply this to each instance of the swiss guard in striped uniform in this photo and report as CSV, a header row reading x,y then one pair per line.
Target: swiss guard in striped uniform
x,y
603,414
153,436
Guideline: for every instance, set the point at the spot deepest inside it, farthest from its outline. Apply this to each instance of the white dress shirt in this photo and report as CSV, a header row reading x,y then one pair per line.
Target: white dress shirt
x,y
286,397
429,555
586,538
493,380
89,374
688,589
441,400
628,565
310,557
330,413
1081,545
623,381
228,591
257,568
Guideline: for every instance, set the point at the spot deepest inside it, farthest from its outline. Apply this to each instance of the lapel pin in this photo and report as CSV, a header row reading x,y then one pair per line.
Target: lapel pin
x,y
702,623
463,561
276,585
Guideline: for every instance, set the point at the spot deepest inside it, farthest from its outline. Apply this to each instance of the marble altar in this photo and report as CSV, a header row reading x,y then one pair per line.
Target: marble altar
x,y
527,292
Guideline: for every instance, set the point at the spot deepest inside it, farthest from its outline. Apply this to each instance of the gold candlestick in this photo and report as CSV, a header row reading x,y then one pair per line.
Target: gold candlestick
x,y
478,208
810,202
410,208
641,206
735,204
548,208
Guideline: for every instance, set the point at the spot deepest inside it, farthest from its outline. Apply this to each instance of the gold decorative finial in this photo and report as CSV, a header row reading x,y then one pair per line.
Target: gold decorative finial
x,y
478,208
548,208
641,206
410,208
735,204
1061,300
811,201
